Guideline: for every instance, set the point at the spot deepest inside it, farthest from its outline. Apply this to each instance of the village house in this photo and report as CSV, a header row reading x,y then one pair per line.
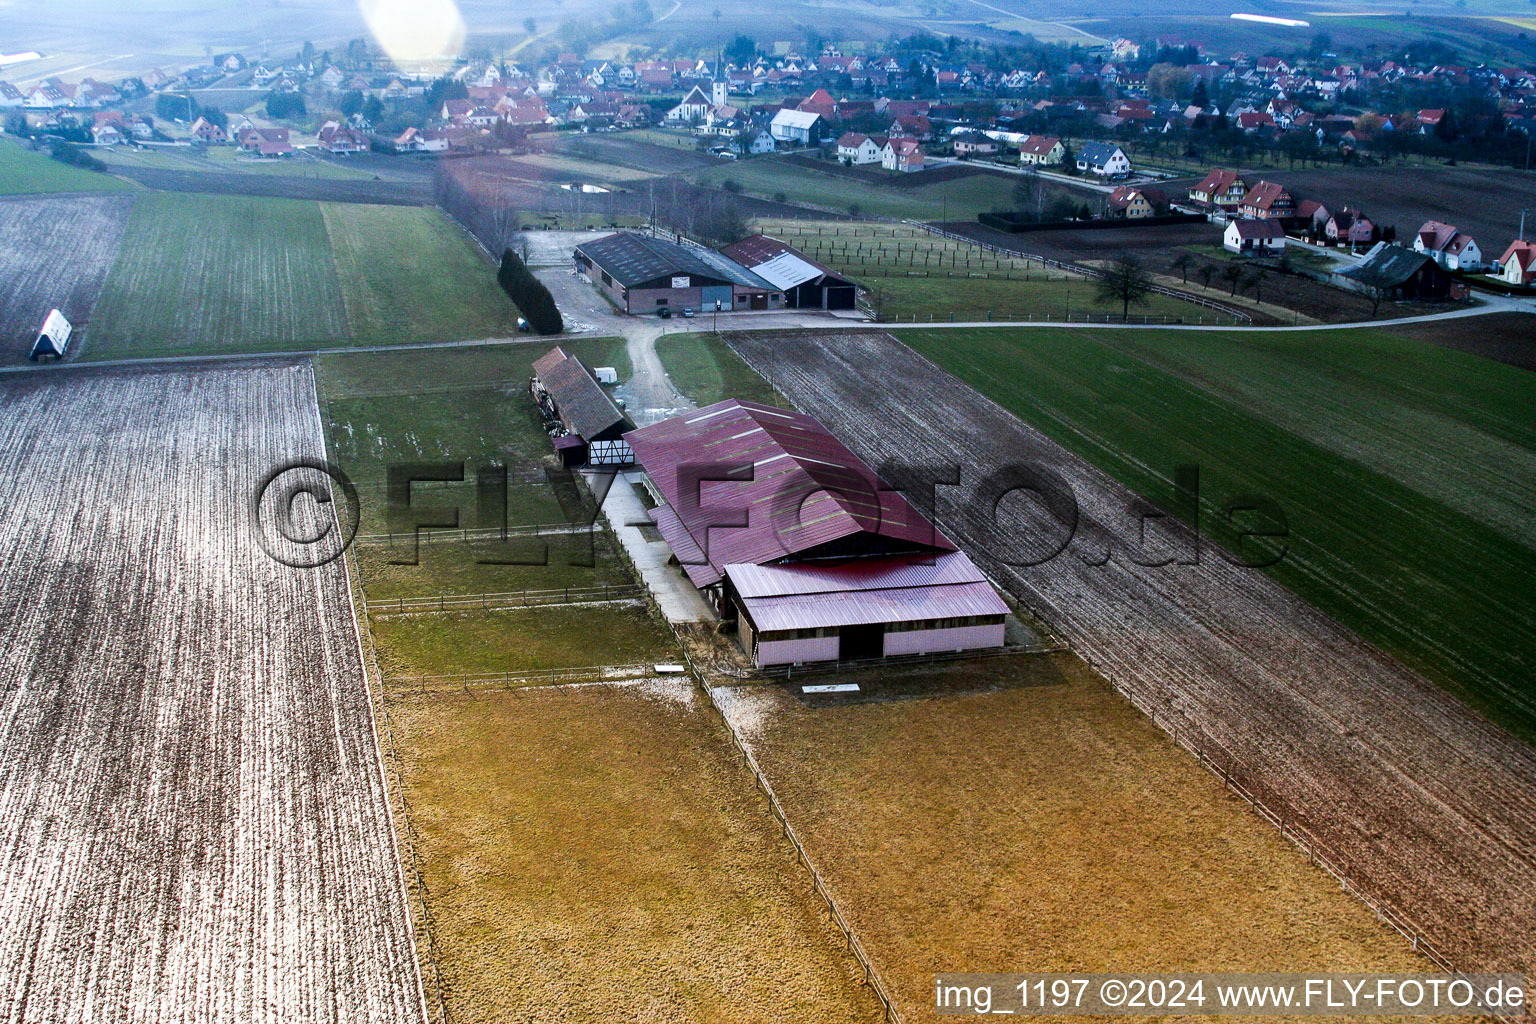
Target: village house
x,y
1452,249
265,142
1349,228
339,140
1045,150
1221,189
903,155
857,148
974,144
1132,202
1267,201
205,131
1253,237
1518,264
1103,159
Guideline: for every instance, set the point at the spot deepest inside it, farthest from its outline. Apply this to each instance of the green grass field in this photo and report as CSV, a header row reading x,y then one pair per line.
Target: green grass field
x,y
202,273
706,370
224,274
467,405
379,249
23,172
1407,471
228,159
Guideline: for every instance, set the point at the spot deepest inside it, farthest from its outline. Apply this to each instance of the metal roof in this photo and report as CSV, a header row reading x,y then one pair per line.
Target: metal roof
x,y
689,556
759,251
786,270
944,568
864,591
754,484
584,407
787,118
1386,266
634,260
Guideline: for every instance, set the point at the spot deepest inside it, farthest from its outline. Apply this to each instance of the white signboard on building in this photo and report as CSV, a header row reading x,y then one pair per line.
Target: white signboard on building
x,y
681,282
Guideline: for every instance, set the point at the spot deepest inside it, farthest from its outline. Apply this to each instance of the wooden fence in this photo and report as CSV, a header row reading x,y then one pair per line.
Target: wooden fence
x,y
507,599
530,678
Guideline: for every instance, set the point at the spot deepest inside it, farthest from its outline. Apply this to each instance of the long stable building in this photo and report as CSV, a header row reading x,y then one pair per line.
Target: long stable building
x,y
642,274
584,423
798,542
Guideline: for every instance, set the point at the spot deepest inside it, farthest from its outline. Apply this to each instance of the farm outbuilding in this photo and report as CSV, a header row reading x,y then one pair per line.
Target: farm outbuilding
x,y
1395,272
586,425
52,337
806,283
800,545
642,274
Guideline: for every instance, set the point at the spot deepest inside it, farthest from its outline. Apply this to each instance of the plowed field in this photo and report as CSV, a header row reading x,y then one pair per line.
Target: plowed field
x,y
195,823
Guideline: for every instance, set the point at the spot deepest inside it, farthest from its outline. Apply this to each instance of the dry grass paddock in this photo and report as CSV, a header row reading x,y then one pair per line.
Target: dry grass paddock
x,y
600,853
1048,827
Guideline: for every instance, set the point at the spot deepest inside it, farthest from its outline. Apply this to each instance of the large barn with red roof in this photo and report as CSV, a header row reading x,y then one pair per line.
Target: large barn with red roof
x,y
800,545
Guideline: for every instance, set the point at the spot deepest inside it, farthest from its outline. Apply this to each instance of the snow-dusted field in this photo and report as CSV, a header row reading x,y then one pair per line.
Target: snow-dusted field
x,y
193,826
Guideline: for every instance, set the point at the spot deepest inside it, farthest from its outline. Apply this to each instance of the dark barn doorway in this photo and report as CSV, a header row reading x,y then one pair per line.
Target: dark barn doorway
x,y
857,643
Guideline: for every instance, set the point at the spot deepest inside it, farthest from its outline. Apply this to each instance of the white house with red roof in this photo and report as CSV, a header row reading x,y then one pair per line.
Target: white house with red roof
x,y
857,148
902,154
1518,264
1447,246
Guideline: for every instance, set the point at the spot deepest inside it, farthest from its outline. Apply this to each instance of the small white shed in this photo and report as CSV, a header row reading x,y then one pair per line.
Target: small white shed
x,y
605,374
52,338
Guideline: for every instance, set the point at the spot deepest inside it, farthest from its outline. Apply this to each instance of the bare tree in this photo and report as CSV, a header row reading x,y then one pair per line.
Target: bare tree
x,y
1125,281
1232,274
1182,262
1206,271
1255,280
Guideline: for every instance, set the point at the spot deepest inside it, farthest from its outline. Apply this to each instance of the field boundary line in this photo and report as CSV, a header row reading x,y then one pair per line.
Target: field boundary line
x,y
378,712
818,883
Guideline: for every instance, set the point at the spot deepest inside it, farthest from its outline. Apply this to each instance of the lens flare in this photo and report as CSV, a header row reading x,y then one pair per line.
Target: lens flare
x,y
415,33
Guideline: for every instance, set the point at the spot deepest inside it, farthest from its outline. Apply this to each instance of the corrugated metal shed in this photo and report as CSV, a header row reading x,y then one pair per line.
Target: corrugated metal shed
x,y
754,484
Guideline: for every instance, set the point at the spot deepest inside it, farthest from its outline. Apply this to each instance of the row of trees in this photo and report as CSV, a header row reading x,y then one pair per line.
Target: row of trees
x,y
529,294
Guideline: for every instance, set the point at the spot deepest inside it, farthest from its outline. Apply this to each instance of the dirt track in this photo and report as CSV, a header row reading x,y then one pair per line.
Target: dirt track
x,y
195,824
1419,800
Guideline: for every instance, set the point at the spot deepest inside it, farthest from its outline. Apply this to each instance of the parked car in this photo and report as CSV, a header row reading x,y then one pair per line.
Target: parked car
x,y
664,313
688,313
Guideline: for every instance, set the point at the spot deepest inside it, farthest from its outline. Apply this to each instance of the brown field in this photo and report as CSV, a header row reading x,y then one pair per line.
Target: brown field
x,y
1483,202
1158,246
1048,827
196,821
601,853
1508,337
1415,797
54,252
